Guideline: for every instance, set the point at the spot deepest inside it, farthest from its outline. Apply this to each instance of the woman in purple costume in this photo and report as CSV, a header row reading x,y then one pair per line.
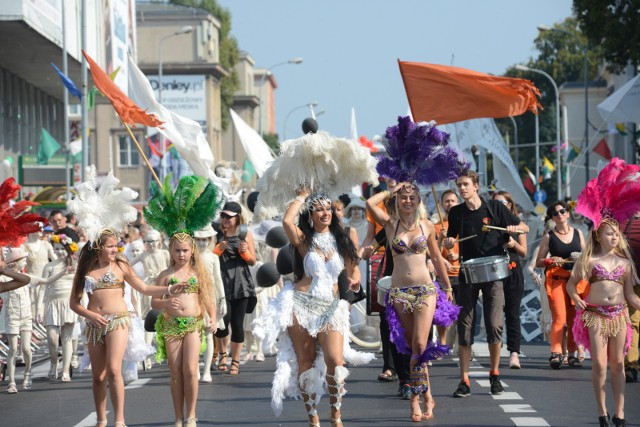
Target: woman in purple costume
x,y
414,301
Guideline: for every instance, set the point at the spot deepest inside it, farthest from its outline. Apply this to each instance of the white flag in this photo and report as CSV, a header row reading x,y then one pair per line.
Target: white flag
x,y
353,130
257,150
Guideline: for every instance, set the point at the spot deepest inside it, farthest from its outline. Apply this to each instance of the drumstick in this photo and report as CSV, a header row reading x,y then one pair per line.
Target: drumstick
x,y
491,227
465,238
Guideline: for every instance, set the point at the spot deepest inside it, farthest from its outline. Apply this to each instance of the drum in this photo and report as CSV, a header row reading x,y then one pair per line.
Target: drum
x,y
376,266
486,269
384,283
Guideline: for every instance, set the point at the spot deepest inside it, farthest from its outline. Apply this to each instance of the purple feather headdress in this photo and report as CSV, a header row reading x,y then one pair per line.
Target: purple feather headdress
x,y
419,153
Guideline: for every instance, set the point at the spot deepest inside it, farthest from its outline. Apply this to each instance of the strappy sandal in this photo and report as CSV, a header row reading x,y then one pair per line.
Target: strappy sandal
x,y
235,367
555,361
574,362
222,362
387,376
336,422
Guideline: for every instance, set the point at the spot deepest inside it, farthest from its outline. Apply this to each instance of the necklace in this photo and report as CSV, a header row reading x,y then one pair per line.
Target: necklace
x,y
408,228
561,233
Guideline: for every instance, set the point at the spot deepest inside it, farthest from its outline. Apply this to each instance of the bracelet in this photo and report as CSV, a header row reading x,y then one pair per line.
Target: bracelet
x,y
169,289
387,195
300,199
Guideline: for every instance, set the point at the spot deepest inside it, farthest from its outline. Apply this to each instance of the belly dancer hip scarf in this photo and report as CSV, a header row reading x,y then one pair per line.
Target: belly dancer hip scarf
x,y
609,320
95,334
177,328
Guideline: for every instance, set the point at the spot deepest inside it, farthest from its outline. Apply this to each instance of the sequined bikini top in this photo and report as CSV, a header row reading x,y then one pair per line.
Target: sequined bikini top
x,y
192,285
419,245
599,274
108,281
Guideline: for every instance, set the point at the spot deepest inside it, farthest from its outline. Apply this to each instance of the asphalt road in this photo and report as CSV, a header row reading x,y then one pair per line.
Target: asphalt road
x,y
535,396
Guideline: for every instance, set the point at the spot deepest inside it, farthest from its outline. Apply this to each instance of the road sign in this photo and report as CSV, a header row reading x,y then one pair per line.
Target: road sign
x,y
540,196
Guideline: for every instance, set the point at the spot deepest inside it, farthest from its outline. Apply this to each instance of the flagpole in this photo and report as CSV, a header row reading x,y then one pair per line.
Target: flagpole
x,y
85,109
142,153
66,109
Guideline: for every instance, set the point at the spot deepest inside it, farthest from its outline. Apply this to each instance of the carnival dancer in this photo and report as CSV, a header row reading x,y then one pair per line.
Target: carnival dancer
x,y
602,323
237,252
205,240
39,253
516,246
189,313
103,211
631,230
466,220
307,321
558,250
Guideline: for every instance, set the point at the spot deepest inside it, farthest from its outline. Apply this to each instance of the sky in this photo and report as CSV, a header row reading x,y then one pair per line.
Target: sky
x,y
351,47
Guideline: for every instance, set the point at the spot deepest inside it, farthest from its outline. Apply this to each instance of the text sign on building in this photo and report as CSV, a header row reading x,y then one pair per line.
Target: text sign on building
x,y
183,94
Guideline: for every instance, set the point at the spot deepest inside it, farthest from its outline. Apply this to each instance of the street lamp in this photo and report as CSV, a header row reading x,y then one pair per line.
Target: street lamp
x,y
261,86
586,93
558,146
309,105
184,30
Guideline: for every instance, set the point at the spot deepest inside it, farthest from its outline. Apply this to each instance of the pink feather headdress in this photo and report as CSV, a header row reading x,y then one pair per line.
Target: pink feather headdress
x,y
613,194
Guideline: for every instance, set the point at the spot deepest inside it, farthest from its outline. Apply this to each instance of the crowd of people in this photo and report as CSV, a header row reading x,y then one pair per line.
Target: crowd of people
x,y
196,280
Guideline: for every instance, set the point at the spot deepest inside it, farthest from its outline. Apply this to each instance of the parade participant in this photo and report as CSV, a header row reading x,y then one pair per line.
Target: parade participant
x,y
59,318
17,309
205,240
465,220
103,211
59,223
448,199
602,322
237,252
411,301
558,250
309,313
189,313
631,231
513,285
39,253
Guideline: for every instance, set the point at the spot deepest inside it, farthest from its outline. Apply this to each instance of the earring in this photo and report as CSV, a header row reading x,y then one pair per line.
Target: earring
x,y
310,221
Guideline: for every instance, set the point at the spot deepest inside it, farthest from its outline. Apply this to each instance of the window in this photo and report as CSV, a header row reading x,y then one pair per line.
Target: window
x,y
129,156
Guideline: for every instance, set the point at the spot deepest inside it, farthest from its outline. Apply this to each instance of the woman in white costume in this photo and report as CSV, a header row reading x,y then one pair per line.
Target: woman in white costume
x,y
307,319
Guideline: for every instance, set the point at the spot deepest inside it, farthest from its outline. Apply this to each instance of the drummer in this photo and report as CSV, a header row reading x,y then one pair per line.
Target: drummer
x,y
465,220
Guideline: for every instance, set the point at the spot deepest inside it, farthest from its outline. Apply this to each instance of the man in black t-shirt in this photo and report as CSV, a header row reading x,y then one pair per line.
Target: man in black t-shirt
x,y
59,223
467,219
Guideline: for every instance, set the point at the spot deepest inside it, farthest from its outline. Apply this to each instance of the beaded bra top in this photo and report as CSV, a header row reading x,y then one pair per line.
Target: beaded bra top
x,y
323,264
419,245
109,280
599,274
192,285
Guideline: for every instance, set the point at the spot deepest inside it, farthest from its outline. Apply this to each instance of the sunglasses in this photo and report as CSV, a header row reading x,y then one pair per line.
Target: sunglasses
x,y
150,242
559,212
225,216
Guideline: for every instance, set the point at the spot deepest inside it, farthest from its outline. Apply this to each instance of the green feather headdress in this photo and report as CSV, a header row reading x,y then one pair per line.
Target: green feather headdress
x,y
193,206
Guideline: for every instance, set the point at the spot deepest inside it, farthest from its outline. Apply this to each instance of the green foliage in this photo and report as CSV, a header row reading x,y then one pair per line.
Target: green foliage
x,y
229,53
273,141
614,27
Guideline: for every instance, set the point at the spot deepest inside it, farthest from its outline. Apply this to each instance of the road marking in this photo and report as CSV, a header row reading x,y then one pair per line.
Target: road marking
x,y
137,384
517,408
508,395
475,374
529,422
487,383
89,421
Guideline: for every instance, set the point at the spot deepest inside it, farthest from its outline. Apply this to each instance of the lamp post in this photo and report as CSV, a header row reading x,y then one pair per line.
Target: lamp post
x,y
585,49
310,105
515,138
261,86
184,30
558,146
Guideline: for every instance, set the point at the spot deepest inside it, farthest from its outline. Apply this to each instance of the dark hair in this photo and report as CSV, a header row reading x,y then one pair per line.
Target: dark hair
x,y
446,192
473,175
552,208
55,212
346,249
88,260
509,198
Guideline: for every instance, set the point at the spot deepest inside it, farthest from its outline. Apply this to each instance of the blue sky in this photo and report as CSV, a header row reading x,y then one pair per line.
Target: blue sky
x,y
351,47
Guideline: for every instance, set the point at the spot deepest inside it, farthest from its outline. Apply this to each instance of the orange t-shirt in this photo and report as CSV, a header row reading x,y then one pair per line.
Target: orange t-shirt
x,y
454,271
377,227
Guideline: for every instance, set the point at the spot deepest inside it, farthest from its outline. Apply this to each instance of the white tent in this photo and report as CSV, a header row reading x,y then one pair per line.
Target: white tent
x,y
623,105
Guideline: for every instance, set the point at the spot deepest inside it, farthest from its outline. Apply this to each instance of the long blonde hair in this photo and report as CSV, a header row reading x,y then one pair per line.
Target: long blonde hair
x,y
419,214
205,282
593,247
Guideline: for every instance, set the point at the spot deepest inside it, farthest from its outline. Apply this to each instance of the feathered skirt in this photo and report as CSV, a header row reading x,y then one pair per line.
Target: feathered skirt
x,y
315,316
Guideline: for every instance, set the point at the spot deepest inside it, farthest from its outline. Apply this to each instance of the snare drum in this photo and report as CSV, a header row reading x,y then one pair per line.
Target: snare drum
x,y
384,284
486,269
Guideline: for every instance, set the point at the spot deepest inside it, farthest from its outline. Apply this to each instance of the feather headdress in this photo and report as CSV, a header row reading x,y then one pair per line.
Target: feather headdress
x,y
320,162
614,193
15,222
100,206
419,153
190,208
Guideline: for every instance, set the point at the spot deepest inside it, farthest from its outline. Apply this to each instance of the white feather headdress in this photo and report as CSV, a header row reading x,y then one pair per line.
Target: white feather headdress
x,y
101,206
320,162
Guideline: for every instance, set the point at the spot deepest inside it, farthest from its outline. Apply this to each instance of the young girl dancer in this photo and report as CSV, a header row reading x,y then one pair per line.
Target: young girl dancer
x,y
602,322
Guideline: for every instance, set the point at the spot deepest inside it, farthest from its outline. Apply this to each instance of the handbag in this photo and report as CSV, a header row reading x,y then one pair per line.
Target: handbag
x,y
251,304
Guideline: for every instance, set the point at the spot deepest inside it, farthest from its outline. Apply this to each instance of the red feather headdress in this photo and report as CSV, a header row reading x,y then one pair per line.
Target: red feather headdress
x,y
15,223
614,193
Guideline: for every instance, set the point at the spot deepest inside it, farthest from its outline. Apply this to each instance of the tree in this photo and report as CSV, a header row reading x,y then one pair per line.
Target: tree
x,y
613,26
229,52
273,141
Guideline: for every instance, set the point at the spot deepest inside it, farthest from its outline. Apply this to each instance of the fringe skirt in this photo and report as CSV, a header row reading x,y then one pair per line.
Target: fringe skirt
x,y
609,320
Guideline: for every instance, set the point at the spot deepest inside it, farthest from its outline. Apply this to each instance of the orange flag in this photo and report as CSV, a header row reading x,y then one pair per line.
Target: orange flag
x,y
452,94
128,111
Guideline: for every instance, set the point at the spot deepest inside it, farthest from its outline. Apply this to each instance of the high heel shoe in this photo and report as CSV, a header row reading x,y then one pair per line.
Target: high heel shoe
x,y
619,422
336,422
191,422
604,421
